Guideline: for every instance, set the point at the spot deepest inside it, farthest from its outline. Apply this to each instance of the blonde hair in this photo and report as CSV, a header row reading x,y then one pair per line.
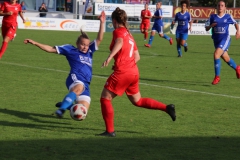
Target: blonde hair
x,y
82,35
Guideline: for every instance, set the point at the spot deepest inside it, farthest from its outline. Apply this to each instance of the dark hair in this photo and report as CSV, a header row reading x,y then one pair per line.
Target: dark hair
x,y
186,2
120,16
82,35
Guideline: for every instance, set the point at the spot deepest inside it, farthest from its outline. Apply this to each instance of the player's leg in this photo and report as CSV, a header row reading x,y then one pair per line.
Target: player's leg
x,y
231,63
8,34
217,65
161,34
76,87
179,50
184,37
147,25
134,96
154,28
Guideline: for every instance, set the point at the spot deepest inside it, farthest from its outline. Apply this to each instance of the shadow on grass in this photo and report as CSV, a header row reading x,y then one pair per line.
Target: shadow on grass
x,y
103,148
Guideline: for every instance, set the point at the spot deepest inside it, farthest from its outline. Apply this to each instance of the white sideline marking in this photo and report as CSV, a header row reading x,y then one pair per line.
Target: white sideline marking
x,y
146,84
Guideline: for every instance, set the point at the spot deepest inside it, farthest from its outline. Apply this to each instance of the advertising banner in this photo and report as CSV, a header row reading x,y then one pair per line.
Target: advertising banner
x,y
205,12
59,24
199,29
133,10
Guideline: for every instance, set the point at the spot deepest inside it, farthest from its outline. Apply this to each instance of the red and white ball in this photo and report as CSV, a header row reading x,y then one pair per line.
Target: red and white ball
x,y
78,112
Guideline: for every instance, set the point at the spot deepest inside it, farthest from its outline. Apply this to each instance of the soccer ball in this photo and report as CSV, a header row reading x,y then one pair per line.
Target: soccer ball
x,y
78,112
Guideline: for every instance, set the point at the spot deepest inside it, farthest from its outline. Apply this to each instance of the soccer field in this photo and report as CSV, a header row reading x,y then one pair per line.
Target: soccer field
x,y
208,116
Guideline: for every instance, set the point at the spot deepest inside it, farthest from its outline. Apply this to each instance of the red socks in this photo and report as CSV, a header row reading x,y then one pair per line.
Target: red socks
x,y
145,35
3,48
151,104
108,114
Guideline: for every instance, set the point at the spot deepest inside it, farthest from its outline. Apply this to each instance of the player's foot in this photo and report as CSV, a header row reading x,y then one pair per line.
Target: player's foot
x,y
107,134
59,113
147,45
185,48
238,72
144,39
179,56
216,80
171,41
171,111
58,104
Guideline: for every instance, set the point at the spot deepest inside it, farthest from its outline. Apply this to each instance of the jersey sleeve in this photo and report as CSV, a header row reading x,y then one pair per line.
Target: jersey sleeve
x,y
93,46
176,17
231,20
64,49
149,13
189,17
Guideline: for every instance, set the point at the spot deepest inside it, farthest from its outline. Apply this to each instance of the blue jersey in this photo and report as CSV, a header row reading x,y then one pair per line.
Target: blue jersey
x,y
80,63
158,21
183,19
220,31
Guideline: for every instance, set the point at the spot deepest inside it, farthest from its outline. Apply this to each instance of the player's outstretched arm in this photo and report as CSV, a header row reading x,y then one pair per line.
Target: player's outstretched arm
x,y
237,30
102,19
44,47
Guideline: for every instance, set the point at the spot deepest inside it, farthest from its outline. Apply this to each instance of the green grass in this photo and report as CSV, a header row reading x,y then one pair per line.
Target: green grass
x,y
208,117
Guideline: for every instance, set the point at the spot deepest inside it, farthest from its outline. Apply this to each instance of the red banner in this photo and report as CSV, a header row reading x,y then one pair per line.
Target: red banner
x,y
205,12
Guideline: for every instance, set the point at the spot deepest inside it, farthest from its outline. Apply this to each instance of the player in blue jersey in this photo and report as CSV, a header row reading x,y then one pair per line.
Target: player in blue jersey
x,y
158,26
80,61
220,25
183,18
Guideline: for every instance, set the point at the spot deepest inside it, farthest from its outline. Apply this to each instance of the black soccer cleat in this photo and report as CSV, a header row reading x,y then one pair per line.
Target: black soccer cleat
x,y
171,111
58,104
107,134
59,113
185,48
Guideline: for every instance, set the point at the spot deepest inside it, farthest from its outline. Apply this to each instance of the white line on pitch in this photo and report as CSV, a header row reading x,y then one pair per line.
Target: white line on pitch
x,y
146,84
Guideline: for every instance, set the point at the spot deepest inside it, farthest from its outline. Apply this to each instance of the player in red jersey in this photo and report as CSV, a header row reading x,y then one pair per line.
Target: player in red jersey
x,y
145,23
9,11
125,77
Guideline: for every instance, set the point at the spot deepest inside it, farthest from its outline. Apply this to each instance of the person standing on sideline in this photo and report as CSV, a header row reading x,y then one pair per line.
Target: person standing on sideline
x,y
43,9
80,61
183,18
23,7
220,34
145,22
158,26
125,77
9,11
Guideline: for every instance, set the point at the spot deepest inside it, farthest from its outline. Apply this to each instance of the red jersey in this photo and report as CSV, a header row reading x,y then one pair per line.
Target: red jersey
x,y
15,9
124,59
145,13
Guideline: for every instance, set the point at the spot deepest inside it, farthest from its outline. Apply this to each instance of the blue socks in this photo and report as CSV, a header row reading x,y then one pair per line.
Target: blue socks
x,y
150,40
232,64
68,100
179,50
166,37
217,66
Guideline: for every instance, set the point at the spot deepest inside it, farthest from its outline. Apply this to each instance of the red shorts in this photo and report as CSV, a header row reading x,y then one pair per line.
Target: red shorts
x,y
9,31
144,26
119,83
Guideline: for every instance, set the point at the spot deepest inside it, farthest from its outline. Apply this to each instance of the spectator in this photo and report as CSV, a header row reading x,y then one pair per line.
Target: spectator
x,y
23,7
43,9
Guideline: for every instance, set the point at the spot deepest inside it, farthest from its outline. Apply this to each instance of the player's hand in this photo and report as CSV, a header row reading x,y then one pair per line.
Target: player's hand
x,y
106,62
102,17
238,34
10,13
213,24
24,21
26,41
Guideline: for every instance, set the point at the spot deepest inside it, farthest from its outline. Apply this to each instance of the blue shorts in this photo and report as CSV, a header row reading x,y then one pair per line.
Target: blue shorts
x,y
157,28
72,80
223,43
183,36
